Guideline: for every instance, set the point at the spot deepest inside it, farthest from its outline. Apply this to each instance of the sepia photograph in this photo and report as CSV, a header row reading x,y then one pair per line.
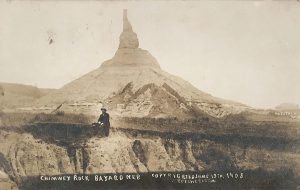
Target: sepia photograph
x,y
169,94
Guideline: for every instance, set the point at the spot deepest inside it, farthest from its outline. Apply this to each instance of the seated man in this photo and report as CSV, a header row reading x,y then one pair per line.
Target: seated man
x,y
104,121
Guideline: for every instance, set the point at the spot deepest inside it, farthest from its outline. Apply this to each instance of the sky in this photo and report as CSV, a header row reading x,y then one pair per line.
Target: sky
x,y
247,51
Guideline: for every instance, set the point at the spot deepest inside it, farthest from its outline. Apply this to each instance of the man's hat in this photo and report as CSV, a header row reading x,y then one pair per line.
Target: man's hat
x,y
103,109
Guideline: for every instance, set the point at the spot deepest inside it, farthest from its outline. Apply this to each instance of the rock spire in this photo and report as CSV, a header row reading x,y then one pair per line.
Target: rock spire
x,y
128,38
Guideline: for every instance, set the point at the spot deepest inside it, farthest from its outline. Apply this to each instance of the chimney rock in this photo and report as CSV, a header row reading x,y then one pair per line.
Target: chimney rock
x,y
128,38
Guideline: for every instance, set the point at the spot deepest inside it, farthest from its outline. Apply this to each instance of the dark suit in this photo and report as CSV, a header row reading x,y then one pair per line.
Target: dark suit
x,y
104,118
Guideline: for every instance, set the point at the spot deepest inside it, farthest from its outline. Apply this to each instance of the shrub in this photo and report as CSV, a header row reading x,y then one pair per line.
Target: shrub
x,y
61,117
60,113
